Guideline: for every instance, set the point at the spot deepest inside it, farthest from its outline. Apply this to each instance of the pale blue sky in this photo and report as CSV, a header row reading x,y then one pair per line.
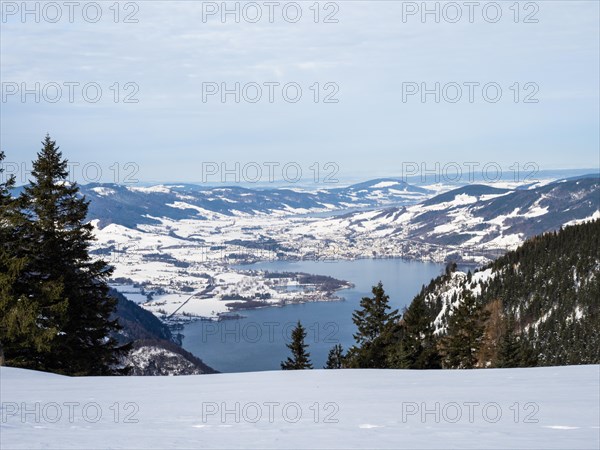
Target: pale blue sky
x,y
368,54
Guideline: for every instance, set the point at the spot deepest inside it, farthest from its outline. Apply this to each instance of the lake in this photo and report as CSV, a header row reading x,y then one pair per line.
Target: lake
x,y
257,341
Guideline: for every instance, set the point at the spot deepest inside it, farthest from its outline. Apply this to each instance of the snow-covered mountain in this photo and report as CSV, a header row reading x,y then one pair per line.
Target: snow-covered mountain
x,y
130,205
538,408
471,215
479,215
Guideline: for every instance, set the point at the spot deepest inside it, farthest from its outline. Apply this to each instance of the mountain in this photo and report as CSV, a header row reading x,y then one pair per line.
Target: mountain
x,y
171,241
471,190
134,205
480,215
384,217
538,408
543,295
382,188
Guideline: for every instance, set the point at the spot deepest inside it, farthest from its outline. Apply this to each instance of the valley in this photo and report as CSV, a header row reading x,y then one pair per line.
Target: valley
x,y
180,250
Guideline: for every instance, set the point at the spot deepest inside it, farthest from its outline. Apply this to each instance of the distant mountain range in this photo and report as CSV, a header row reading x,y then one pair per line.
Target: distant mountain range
x,y
133,205
380,215
479,214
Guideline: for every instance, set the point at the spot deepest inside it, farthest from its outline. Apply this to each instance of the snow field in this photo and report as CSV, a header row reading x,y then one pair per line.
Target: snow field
x,y
539,408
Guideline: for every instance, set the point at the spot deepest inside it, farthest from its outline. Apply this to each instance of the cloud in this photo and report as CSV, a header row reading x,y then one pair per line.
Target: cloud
x,y
172,51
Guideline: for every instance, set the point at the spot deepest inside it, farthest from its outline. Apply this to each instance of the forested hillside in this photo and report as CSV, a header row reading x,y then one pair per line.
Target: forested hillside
x,y
537,305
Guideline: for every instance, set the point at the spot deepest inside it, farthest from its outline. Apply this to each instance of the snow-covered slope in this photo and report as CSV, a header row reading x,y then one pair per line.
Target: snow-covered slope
x,y
163,358
131,205
540,408
472,221
478,216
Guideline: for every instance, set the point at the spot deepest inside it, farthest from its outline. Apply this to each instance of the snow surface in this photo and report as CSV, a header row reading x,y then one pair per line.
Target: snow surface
x,y
384,184
594,216
150,189
103,191
558,408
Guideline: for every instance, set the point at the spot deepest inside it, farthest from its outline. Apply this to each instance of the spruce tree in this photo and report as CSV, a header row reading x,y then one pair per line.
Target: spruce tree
x,y
377,331
26,333
417,347
335,358
300,358
509,349
5,185
76,294
465,334
528,357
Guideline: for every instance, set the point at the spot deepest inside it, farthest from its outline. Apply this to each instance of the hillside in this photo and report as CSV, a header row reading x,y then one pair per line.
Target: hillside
x,y
468,216
544,296
132,205
475,216
138,323
540,408
163,358
155,351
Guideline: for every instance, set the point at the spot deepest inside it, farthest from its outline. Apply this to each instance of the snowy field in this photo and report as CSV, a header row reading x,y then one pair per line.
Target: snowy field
x,y
541,408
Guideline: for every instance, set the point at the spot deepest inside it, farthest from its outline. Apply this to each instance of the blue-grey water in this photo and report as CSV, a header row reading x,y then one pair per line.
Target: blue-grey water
x,y
257,341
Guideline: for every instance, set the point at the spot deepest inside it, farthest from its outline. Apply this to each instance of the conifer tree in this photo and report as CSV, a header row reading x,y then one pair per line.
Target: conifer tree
x,y
73,289
335,358
5,185
465,334
377,331
527,354
300,358
508,352
25,334
417,347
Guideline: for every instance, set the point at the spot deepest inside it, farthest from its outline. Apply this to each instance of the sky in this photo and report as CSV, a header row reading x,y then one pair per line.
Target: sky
x,y
348,89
